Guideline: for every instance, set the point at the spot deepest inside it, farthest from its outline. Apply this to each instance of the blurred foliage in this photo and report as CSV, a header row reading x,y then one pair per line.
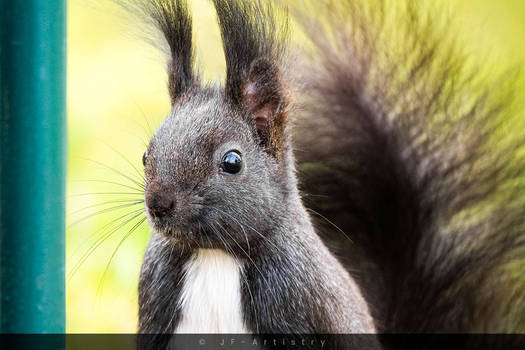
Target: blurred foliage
x,y
117,97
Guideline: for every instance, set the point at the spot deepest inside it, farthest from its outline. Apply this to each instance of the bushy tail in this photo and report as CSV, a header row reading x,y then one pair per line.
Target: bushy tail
x,y
413,152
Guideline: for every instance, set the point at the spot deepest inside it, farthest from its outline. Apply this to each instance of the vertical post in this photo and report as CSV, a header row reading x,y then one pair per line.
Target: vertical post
x,y
32,166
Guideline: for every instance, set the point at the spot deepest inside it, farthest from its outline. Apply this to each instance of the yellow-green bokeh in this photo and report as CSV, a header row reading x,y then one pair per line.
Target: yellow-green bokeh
x,y
117,96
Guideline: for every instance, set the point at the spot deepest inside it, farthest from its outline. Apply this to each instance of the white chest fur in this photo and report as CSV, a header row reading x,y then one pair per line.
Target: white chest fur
x,y
211,295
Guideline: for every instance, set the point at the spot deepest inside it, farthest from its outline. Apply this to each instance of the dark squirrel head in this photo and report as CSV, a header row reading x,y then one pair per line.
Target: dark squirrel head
x,y
219,167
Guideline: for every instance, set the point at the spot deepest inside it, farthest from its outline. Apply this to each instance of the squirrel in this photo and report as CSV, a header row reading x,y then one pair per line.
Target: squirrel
x,y
414,222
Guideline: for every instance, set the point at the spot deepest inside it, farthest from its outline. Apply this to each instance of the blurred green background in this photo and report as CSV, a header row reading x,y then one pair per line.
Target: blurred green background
x,y
117,97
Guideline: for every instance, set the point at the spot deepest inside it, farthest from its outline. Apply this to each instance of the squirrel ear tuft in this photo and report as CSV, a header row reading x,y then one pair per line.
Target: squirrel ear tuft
x,y
172,18
253,40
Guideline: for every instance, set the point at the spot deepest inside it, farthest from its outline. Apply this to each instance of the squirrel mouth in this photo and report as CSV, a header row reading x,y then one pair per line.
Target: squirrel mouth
x,y
195,233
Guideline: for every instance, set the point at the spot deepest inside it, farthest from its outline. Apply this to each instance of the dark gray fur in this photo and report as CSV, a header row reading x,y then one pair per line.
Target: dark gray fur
x,y
291,283
393,186
421,156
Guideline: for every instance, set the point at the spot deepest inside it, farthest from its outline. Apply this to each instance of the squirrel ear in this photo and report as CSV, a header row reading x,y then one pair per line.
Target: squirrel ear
x,y
263,100
253,38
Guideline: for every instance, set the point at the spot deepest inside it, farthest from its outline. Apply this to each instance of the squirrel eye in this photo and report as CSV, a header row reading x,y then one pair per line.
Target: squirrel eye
x,y
144,157
231,162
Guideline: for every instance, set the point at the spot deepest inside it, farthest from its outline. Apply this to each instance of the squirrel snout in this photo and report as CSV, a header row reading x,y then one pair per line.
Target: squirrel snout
x,y
160,205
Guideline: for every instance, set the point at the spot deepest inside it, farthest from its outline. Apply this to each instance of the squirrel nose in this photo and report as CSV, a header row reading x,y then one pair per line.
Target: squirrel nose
x,y
159,205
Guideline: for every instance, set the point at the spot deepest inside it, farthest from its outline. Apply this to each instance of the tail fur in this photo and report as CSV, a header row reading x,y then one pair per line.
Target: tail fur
x,y
409,150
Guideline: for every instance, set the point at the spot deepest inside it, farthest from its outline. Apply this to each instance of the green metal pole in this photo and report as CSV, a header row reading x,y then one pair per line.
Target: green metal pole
x,y
32,165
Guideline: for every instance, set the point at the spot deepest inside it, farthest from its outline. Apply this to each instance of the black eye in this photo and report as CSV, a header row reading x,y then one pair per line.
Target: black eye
x,y
231,162
144,157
